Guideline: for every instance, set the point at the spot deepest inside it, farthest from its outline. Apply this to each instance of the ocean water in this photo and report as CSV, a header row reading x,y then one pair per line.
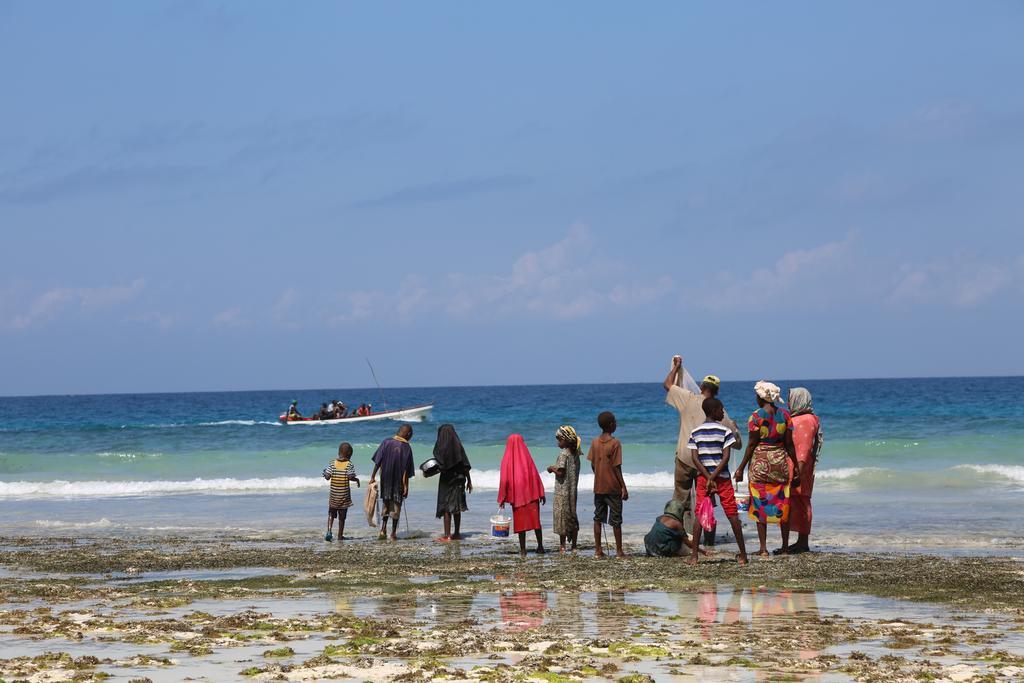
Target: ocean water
x,y
909,464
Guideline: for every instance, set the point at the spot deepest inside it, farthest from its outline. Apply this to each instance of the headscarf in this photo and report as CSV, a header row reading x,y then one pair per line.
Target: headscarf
x,y
568,434
767,391
520,482
448,450
800,401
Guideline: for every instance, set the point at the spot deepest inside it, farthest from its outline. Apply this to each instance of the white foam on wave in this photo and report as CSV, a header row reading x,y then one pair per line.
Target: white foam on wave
x,y
115,489
127,455
242,423
488,480
101,523
843,473
1010,472
483,480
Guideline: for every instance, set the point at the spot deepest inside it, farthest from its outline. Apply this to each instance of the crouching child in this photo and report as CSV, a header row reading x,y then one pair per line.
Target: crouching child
x,y
667,537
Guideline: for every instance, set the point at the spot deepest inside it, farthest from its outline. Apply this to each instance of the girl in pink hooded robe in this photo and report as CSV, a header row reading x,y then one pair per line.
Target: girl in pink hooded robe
x,y
520,486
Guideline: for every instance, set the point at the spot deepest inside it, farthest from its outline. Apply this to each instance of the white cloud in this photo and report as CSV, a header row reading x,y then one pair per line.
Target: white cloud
x,y
229,317
562,281
161,321
817,273
54,303
961,281
281,312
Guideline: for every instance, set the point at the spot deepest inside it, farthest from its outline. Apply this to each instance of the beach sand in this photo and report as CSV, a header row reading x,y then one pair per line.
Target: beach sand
x,y
265,607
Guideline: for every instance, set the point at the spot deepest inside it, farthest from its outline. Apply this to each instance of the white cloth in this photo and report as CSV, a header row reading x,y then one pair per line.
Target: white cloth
x,y
686,398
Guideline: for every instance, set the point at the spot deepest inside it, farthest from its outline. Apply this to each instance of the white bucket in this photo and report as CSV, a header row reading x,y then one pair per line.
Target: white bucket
x,y
501,525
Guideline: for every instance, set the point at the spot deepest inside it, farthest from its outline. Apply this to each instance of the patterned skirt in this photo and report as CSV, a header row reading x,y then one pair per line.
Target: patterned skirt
x,y
769,484
769,503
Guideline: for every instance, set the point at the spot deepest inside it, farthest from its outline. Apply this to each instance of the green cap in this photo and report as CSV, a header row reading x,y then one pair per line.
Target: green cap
x,y
712,380
674,508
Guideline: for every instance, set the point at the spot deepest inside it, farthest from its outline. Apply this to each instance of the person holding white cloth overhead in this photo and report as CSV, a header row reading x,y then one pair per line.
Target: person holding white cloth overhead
x,y
683,394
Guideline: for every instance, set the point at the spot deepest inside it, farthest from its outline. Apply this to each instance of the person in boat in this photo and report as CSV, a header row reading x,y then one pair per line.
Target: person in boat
x,y
340,410
293,411
393,460
324,413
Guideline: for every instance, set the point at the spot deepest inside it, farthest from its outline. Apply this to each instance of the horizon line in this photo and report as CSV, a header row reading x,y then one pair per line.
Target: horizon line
x,y
485,386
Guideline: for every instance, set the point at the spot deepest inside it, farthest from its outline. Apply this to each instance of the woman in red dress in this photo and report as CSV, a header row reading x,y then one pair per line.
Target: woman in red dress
x,y
520,486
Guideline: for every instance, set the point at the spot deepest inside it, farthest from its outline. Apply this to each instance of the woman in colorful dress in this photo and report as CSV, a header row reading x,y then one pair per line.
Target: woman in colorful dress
x,y
807,440
770,445
567,479
454,482
520,486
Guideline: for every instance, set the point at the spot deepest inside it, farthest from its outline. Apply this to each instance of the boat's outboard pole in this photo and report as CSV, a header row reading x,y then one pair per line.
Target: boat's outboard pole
x,y
382,399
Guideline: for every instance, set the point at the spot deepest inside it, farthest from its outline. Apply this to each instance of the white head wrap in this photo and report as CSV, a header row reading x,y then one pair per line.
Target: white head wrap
x,y
767,391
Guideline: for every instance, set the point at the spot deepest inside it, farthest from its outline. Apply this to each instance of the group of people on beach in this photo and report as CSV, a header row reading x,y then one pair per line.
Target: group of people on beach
x,y
782,448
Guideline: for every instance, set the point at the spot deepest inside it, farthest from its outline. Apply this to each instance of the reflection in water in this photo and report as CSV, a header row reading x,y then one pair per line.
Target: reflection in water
x,y
606,614
523,611
611,608
757,609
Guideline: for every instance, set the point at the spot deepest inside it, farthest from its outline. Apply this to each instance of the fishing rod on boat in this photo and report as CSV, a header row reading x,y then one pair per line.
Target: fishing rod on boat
x,y
382,399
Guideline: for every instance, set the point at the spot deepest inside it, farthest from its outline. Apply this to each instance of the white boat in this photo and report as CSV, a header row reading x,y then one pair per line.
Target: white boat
x,y
413,414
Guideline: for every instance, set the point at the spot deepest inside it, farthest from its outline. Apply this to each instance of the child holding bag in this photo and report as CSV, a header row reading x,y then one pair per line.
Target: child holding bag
x,y
710,445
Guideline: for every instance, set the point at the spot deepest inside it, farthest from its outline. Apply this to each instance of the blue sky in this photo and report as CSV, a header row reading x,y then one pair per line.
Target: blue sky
x,y
196,195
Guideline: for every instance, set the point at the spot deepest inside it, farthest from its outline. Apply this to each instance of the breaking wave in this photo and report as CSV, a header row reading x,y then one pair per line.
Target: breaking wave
x,y
487,480
115,489
1011,472
842,478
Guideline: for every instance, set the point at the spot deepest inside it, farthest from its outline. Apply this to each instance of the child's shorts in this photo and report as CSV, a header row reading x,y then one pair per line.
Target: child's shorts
x,y
608,508
726,493
340,513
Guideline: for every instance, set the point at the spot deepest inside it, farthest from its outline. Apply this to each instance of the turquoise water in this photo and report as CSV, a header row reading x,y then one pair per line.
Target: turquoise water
x,y
920,463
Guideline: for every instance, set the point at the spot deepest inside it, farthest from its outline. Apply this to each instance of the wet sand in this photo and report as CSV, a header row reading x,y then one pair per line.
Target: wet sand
x,y
222,607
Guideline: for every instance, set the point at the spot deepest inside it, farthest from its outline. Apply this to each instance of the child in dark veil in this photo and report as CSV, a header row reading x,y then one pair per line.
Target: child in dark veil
x,y
454,481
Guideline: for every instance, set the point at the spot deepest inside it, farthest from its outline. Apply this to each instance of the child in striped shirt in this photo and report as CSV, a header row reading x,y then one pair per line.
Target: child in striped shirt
x,y
710,445
340,473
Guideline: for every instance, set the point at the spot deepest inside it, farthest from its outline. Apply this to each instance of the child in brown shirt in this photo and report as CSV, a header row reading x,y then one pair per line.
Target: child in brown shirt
x,y
605,458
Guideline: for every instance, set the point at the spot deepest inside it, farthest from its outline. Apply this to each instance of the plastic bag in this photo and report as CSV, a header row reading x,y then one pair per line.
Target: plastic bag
x,y
706,513
685,380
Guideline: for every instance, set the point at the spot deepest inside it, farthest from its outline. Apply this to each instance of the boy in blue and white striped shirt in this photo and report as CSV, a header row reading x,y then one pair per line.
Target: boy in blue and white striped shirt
x,y
710,445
